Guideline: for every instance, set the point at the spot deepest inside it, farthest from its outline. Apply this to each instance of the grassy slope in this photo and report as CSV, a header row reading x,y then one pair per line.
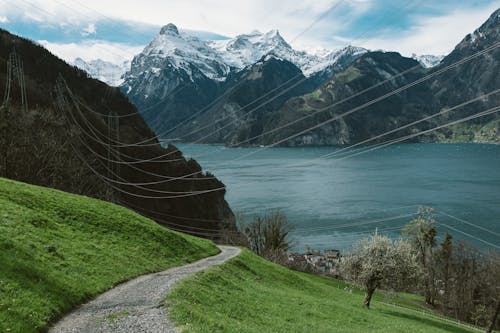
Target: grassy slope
x,y
58,250
248,294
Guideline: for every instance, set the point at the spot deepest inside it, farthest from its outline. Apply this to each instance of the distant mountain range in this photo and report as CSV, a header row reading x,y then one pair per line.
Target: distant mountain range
x,y
238,52
177,74
104,70
234,91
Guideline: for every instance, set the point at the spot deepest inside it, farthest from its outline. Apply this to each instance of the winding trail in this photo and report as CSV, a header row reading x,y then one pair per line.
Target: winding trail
x,y
137,305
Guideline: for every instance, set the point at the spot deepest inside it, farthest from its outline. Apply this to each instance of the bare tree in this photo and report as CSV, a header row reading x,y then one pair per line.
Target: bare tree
x,y
268,235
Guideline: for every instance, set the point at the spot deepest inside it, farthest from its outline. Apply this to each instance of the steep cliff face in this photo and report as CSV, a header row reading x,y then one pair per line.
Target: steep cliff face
x,y
63,138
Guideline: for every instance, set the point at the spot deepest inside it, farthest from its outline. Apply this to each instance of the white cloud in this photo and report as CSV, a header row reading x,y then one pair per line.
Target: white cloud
x,y
90,50
434,35
89,30
428,35
4,19
226,17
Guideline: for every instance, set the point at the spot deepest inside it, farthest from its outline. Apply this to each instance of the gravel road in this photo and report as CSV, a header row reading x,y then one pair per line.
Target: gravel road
x,y
137,305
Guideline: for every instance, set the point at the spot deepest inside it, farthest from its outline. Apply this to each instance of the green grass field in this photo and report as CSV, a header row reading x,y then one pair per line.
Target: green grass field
x,y
249,294
58,250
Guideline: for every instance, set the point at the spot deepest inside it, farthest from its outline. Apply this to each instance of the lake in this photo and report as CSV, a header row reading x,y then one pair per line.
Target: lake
x,y
334,202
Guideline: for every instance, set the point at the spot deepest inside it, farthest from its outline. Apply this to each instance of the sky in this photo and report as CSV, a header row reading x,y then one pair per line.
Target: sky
x,y
117,30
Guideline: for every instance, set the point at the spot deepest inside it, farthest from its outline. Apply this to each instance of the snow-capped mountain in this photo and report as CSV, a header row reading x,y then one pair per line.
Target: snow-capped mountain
x,y
245,50
216,58
178,74
428,60
175,72
181,51
103,70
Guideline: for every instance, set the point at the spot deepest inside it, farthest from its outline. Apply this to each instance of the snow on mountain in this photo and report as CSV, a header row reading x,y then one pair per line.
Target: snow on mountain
x,y
103,70
244,50
181,51
428,60
324,58
216,58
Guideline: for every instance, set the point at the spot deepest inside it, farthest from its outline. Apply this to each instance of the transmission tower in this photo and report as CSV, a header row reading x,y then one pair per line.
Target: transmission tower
x,y
15,72
112,135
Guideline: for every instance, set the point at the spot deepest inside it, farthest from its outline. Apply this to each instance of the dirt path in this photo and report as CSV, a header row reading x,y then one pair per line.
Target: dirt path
x,y
137,305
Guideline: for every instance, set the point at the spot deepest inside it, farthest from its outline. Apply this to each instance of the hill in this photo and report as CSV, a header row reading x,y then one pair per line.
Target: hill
x,y
88,138
249,294
58,250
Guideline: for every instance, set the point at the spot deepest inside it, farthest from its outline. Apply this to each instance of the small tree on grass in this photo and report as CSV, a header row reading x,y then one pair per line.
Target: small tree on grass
x,y
379,262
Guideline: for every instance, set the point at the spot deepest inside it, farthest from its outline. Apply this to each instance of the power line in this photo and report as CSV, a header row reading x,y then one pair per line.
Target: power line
x,y
109,180
440,212
467,234
129,164
369,103
412,123
378,99
455,122
355,224
317,20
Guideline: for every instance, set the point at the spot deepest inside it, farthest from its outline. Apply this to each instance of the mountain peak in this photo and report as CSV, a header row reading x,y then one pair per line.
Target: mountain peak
x,y
274,34
169,29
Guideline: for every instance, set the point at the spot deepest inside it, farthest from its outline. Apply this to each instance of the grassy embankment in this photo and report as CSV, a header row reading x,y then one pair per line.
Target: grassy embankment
x,y
58,250
249,294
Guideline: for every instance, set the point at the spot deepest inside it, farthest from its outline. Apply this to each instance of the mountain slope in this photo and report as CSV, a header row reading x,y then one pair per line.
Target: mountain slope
x,y
371,69
62,140
473,78
460,84
239,115
178,76
59,249
249,294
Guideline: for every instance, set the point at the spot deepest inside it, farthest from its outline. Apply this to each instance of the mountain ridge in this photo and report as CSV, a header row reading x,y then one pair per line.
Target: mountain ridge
x,y
174,66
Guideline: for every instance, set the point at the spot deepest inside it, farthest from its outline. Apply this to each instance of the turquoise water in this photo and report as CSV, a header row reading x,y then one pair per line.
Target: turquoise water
x,y
333,203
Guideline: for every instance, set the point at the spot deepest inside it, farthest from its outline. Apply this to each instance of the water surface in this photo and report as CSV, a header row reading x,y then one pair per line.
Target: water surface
x,y
333,202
